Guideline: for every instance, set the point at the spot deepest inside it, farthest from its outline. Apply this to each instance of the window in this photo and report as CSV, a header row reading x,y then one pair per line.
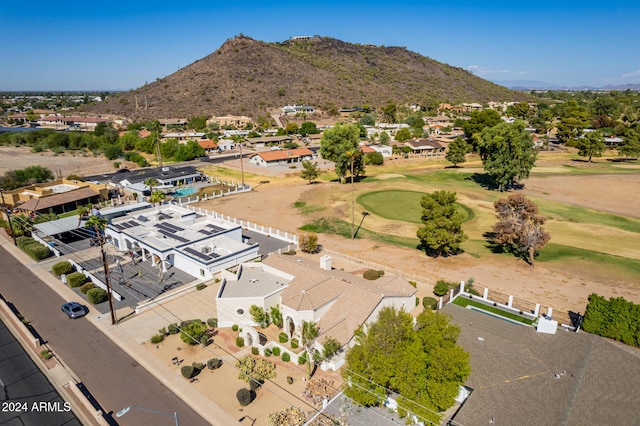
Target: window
x,y
202,272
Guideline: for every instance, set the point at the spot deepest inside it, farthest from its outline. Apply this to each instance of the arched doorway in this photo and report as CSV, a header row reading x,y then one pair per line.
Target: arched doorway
x,y
291,327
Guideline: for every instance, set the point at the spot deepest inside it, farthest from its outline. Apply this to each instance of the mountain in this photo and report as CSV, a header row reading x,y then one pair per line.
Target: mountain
x,y
250,77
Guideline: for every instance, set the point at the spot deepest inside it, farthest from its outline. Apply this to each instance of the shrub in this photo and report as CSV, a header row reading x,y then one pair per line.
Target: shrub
x,y
201,286
187,371
429,302
372,274
234,327
282,337
417,301
294,343
616,318
84,288
46,354
239,342
245,396
441,288
286,357
36,251
97,295
173,328
163,331
254,384
302,358
267,352
204,340
24,241
414,284
290,380
157,338
212,322
276,351
76,279
214,363
198,367
193,332
255,351
60,268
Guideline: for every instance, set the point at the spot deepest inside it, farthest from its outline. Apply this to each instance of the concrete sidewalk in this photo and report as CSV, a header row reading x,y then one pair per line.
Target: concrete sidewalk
x,y
134,329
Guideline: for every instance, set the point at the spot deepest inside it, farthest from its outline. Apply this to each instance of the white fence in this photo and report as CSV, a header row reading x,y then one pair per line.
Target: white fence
x,y
265,230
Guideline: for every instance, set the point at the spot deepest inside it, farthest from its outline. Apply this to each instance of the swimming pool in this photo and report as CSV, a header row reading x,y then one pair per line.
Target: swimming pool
x,y
184,192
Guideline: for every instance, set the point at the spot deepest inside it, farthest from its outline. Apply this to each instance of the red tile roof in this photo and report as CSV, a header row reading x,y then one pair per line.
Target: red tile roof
x,y
208,144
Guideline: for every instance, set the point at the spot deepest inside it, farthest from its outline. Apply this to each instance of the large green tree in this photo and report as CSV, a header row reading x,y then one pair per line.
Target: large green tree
x,y
457,151
442,231
478,121
308,128
309,171
340,144
630,146
574,118
420,362
507,153
591,145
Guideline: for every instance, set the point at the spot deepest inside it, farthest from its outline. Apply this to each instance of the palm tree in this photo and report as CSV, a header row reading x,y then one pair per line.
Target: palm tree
x,y
151,182
83,211
157,196
310,332
98,222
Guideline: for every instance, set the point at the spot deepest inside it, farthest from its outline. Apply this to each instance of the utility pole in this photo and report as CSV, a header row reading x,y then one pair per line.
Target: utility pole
x,y
353,203
107,278
7,212
241,166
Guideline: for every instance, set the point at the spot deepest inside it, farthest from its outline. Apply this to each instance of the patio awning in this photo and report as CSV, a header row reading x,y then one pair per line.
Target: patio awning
x,y
59,226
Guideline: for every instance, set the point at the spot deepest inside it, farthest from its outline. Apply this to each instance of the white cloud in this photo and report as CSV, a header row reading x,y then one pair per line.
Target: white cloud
x,y
480,70
632,74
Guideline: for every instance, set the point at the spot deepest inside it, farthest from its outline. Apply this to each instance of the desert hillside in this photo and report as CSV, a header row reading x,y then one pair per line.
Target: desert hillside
x,y
250,77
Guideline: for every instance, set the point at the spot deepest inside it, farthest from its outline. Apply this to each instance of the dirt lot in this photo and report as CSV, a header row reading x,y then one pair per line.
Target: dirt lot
x,y
14,158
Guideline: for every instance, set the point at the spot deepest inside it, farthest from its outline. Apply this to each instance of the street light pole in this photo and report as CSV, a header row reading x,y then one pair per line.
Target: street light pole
x,y
6,210
125,410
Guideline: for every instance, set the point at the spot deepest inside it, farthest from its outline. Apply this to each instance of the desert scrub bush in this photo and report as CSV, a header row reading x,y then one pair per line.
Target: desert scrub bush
x,y
214,363
255,351
245,396
96,295
201,286
84,288
286,357
157,338
372,274
60,268
294,343
76,279
282,337
441,288
276,351
192,333
302,358
187,371
239,341
234,327
267,352
46,354
212,322
173,328
429,302
35,250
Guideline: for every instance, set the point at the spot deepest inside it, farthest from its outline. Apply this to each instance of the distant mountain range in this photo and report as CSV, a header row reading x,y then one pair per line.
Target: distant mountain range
x,y
543,85
251,77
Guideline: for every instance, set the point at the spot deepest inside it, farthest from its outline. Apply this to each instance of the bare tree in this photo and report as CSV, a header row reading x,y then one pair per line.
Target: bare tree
x,y
519,225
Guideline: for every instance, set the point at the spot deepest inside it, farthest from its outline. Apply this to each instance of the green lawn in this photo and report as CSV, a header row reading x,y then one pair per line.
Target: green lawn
x,y
400,205
465,301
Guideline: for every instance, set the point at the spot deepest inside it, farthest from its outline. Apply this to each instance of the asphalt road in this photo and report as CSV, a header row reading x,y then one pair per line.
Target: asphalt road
x,y
114,379
27,398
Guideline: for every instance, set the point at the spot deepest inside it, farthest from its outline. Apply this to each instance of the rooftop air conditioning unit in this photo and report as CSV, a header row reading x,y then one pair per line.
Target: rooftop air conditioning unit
x,y
206,249
165,169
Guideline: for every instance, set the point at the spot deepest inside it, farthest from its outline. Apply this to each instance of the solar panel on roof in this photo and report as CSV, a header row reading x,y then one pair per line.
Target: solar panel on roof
x,y
143,218
197,253
204,231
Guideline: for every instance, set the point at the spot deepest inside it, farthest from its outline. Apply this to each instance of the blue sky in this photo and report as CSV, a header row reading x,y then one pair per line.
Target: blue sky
x,y
116,45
